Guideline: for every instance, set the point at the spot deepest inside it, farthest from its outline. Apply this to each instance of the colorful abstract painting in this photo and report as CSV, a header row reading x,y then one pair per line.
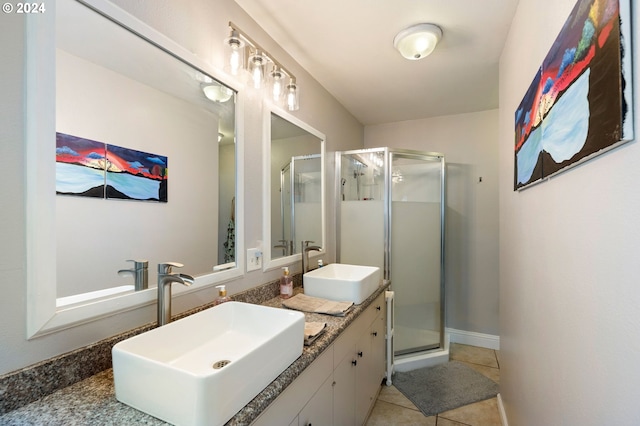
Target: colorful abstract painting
x,y
579,104
89,168
80,166
135,175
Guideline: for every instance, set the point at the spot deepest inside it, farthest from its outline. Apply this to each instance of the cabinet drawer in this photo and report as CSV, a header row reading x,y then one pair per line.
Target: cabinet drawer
x,y
343,345
286,407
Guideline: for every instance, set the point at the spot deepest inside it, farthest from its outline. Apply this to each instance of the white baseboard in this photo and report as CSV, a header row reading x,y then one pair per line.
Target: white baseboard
x,y
481,340
503,413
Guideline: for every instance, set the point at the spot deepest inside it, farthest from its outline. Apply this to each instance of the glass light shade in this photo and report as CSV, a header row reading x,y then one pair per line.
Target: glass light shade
x,y
216,92
257,69
277,85
417,41
234,52
293,94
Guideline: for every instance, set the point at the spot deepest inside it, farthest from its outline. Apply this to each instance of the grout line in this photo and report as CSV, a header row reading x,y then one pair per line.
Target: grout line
x,y
398,405
451,421
481,365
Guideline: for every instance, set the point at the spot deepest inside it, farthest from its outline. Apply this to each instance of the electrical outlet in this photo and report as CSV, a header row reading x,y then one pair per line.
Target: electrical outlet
x,y
254,259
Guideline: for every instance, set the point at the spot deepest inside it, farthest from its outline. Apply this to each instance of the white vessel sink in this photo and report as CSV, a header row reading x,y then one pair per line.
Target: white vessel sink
x,y
202,369
342,282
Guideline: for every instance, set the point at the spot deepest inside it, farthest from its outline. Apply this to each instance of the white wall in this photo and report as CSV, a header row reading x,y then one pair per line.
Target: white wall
x,y
199,26
569,288
470,145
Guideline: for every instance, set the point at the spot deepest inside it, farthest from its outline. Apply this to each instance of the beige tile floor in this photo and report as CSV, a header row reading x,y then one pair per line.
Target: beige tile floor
x,y
393,408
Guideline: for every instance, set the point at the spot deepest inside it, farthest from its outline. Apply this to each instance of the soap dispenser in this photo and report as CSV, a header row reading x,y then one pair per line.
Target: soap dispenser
x,y
286,284
222,295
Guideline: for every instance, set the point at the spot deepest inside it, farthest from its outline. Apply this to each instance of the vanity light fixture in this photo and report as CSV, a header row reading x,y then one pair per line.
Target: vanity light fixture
x,y
277,85
292,95
262,67
417,41
235,50
257,68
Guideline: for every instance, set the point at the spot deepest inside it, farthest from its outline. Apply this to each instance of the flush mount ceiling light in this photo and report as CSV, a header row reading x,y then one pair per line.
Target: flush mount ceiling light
x,y
216,92
417,41
262,67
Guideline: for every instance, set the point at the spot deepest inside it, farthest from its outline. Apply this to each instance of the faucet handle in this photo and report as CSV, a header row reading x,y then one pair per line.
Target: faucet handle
x,y
166,267
139,263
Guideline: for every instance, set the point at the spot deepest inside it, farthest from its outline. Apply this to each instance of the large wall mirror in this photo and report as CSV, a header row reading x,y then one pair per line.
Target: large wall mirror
x,y
130,107
294,187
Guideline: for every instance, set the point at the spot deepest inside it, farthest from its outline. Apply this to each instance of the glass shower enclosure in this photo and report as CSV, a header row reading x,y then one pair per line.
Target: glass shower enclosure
x,y
391,209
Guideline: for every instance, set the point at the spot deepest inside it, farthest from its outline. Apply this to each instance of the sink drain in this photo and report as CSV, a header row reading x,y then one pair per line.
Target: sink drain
x,y
218,365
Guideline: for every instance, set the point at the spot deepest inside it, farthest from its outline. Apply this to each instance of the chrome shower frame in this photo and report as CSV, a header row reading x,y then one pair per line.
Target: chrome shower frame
x,y
389,154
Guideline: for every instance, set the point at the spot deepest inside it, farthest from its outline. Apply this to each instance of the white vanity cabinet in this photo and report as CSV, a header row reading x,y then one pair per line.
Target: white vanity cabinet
x,y
359,359
315,412
340,386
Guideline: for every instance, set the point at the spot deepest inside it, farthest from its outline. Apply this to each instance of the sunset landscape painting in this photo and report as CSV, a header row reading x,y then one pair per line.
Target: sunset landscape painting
x,y
579,104
135,175
89,168
80,166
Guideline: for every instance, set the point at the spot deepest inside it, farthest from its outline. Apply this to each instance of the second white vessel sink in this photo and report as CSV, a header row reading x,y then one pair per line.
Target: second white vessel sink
x,y
342,282
204,368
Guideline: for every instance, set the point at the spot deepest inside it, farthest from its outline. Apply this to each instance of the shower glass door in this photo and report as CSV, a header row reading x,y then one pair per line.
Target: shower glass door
x,y
415,253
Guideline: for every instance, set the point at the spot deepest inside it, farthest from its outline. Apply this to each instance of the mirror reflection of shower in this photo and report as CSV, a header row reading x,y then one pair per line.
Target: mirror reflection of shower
x,y
300,197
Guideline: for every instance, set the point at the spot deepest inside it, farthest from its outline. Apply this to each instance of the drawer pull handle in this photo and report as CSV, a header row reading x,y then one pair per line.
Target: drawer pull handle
x,y
360,354
354,362
378,308
374,334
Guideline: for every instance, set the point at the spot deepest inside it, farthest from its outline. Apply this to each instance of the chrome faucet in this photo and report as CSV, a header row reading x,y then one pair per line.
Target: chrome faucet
x,y
306,248
140,273
165,278
286,246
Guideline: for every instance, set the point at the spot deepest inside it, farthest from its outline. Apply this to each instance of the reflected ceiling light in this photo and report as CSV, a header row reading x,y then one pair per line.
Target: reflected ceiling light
x,y
262,68
216,92
220,136
417,41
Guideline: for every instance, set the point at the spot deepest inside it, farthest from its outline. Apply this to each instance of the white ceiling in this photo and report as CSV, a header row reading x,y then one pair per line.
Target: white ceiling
x,y
347,45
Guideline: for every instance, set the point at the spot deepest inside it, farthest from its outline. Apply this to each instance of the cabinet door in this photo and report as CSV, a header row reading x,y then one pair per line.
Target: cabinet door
x,y
364,377
344,392
379,347
318,411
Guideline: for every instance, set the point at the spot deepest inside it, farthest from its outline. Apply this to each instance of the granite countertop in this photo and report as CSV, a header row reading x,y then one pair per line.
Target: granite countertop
x,y
92,401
